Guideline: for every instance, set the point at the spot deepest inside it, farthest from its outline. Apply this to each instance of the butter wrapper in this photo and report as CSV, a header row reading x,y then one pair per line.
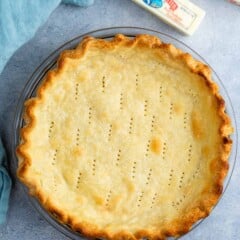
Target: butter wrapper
x,y
235,1
181,14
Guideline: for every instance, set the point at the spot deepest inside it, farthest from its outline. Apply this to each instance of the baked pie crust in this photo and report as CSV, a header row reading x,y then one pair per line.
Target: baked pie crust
x,y
126,139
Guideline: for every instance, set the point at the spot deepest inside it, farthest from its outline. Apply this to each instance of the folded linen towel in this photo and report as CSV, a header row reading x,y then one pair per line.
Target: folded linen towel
x,y
5,184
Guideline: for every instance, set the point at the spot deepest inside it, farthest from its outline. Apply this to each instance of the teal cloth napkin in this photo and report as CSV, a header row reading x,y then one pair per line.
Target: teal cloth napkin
x,y
19,20
5,184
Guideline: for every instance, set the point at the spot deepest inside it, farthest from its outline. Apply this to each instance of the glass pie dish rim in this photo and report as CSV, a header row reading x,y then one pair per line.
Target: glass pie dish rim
x,y
49,63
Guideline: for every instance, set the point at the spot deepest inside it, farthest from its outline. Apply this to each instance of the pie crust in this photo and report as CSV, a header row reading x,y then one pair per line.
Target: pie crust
x,y
126,139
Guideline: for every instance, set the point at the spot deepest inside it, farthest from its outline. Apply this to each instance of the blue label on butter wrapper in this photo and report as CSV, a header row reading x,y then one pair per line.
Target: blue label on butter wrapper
x,y
154,3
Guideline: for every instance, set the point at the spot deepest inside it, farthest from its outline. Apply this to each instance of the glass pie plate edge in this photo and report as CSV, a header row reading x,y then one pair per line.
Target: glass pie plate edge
x,y
50,62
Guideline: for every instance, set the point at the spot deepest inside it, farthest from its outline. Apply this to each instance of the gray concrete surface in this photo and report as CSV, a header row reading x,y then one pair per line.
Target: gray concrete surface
x,y
217,40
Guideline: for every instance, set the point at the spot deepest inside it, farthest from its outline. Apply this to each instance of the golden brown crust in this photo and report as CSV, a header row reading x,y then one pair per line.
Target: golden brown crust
x,y
219,167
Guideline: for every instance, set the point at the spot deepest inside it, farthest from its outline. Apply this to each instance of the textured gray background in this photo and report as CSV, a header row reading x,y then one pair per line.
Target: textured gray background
x,y
217,40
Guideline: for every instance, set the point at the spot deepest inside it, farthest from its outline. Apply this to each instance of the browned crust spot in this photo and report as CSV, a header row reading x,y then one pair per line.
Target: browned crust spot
x,y
219,167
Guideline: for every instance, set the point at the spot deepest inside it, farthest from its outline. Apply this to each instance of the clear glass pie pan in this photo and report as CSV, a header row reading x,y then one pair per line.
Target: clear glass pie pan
x,y
37,77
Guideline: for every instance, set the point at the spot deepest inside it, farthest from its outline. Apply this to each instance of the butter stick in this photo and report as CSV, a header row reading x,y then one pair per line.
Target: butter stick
x,y
235,1
181,14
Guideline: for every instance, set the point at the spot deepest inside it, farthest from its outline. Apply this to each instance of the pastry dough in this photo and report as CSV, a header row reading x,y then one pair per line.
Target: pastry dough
x,y
126,139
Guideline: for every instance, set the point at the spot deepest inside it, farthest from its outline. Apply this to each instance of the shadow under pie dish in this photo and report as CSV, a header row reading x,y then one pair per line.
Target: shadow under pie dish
x,y
126,138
